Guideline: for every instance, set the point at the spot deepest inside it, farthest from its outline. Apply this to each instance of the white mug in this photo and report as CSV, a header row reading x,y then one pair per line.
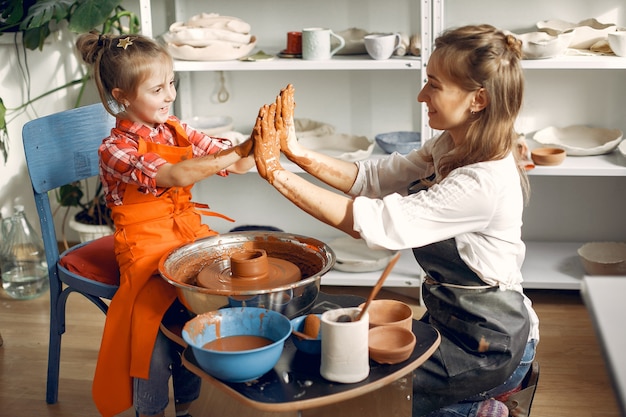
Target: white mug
x,y
382,45
316,44
345,352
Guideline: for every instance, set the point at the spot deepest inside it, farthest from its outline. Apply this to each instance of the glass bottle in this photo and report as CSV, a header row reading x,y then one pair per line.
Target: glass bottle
x,y
23,260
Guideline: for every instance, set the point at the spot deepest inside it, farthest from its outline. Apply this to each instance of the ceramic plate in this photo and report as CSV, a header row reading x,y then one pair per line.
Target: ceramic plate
x,y
353,255
308,127
216,51
211,125
580,140
346,147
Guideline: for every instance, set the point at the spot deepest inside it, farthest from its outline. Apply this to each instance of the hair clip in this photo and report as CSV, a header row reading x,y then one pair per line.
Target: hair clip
x,y
123,43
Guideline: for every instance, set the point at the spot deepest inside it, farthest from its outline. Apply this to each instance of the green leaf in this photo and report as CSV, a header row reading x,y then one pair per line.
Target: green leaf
x,y
69,195
34,38
44,11
90,14
12,12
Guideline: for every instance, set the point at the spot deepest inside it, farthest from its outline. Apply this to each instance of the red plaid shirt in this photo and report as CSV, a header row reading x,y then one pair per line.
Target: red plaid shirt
x,y
121,164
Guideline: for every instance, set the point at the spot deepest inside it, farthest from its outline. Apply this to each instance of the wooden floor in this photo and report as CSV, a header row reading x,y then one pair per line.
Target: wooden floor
x,y
573,381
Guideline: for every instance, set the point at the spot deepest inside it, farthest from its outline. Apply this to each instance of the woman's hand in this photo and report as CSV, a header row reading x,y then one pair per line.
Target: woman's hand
x,y
285,106
267,143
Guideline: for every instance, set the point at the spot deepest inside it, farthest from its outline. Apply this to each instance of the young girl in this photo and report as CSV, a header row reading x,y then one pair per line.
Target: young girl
x,y
147,166
457,202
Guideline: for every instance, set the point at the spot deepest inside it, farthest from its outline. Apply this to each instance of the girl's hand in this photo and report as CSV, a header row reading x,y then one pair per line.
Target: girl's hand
x,y
266,143
245,148
285,106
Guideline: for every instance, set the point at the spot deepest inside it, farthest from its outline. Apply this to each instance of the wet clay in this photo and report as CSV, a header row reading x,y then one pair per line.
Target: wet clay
x,y
237,343
249,270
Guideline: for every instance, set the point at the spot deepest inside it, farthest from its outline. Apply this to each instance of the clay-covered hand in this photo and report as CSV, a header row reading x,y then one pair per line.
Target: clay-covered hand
x,y
285,106
266,143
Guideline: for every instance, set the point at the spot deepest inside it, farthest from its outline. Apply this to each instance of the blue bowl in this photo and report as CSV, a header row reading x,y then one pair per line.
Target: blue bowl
x,y
241,365
312,347
401,142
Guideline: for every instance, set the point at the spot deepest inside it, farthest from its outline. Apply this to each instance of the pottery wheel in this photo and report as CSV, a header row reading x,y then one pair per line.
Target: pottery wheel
x,y
275,273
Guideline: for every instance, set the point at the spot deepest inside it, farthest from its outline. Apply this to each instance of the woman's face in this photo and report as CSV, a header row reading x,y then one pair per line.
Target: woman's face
x,y
154,98
449,106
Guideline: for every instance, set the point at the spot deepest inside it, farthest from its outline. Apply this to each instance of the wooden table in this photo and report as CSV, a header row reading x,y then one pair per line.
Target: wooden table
x,y
295,383
604,297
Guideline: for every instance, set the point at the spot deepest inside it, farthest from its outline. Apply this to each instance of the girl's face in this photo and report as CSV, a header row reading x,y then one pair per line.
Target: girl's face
x,y
449,106
155,95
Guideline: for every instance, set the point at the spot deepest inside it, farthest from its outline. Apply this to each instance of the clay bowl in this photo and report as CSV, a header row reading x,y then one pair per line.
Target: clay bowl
x,y
390,313
603,258
312,347
224,342
548,156
390,344
181,266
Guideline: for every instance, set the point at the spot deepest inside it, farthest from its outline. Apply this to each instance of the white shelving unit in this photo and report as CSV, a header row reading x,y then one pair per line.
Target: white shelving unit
x,y
560,91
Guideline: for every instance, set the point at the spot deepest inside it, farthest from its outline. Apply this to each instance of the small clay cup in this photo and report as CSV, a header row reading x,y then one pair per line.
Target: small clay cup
x,y
548,156
390,344
390,313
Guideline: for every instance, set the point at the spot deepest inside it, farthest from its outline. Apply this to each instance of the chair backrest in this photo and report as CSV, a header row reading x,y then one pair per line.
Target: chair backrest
x,y
62,148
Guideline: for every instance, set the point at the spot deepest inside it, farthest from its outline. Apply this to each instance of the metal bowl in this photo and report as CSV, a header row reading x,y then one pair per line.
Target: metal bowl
x,y
181,266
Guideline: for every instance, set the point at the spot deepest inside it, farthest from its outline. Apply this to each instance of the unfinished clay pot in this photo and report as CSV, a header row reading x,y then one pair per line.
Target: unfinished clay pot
x,y
390,344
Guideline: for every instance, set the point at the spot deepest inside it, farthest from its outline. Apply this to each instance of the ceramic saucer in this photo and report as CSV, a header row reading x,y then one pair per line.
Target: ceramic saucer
x,y
285,54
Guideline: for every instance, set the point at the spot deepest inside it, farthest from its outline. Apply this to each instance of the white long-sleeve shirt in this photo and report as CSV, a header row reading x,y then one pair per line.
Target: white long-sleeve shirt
x,y
480,205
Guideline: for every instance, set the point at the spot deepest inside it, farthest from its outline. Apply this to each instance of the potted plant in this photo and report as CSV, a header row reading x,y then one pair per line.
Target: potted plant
x,y
36,20
93,220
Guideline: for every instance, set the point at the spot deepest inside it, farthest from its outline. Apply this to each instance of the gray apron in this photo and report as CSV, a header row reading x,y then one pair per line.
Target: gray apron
x,y
483,329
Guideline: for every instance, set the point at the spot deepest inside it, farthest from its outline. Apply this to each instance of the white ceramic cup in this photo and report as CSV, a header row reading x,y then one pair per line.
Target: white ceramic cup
x,y
617,42
316,44
345,353
382,45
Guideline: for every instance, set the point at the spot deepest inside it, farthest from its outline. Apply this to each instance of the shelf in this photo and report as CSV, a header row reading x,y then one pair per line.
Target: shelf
x,y
344,62
576,62
609,165
552,265
406,273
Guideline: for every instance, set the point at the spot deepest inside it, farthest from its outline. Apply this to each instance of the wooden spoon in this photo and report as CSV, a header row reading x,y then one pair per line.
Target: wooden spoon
x,y
302,336
379,284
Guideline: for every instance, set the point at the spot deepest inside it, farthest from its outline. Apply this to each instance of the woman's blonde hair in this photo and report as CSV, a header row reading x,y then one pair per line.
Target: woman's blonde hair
x,y
481,56
122,62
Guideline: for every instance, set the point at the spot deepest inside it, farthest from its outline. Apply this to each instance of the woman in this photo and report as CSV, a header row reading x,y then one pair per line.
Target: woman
x,y
457,202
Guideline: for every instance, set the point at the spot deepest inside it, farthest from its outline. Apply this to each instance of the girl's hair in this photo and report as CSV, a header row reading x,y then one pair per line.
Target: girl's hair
x,y
123,62
482,56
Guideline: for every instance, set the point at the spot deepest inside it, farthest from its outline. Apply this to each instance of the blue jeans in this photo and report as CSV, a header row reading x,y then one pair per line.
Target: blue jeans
x,y
151,396
468,407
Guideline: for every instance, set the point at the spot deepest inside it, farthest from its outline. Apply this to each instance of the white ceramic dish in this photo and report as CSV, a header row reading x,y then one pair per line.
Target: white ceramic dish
x,y
216,50
580,140
355,44
617,42
622,151
539,45
353,255
347,147
308,127
586,32
211,125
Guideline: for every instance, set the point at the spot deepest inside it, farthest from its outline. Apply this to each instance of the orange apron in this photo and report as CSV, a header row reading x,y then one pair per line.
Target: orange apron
x,y
146,228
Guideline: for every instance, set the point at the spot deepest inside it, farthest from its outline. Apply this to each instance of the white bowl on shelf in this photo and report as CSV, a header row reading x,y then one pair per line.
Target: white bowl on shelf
x,y
579,140
617,42
349,148
586,32
353,255
539,45
211,125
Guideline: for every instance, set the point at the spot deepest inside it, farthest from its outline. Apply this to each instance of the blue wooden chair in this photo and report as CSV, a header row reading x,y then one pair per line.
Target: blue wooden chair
x,y
62,148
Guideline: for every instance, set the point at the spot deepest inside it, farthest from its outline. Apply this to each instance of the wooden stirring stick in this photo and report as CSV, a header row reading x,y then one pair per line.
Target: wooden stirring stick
x,y
379,284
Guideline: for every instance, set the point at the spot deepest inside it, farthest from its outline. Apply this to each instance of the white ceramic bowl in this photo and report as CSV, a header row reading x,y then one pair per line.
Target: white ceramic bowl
x,y
617,42
539,45
216,50
353,255
603,258
580,140
586,32
621,148
346,147
211,125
